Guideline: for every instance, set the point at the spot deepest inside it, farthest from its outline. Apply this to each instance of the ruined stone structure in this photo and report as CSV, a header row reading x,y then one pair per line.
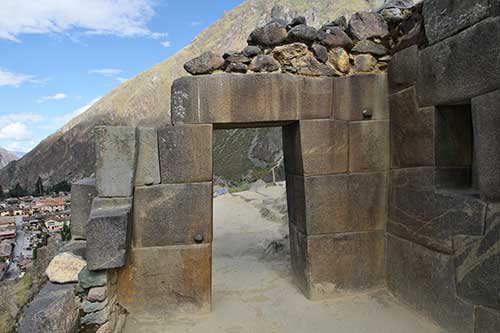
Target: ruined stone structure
x,y
392,180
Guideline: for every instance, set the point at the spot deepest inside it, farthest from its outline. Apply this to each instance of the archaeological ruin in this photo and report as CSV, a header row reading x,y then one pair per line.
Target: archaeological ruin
x,y
393,177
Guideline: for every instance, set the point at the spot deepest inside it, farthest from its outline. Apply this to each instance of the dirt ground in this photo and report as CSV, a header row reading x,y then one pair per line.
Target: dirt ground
x,y
253,289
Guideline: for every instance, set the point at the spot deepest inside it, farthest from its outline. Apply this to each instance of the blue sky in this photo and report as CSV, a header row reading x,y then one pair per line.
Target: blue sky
x,y
59,56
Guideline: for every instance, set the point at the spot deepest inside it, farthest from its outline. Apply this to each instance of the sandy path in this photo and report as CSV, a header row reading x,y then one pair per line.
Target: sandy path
x,y
253,291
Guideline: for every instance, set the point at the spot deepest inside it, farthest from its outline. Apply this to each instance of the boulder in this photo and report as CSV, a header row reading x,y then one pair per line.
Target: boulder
x,y
270,35
52,310
365,25
303,34
89,307
320,52
401,4
96,318
97,294
367,46
297,21
339,59
236,57
207,63
335,37
88,279
264,63
364,62
340,22
286,53
251,51
237,67
309,66
64,268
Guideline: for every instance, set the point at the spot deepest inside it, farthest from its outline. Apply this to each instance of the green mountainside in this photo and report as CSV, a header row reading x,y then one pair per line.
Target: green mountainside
x,y
69,153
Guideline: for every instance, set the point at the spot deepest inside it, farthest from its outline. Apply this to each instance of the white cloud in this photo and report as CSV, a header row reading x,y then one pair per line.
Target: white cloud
x,y
126,18
16,131
196,23
55,97
15,79
23,147
109,72
167,43
122,79
59,121
20,117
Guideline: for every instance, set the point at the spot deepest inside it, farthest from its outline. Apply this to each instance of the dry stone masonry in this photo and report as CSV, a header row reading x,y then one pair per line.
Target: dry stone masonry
x,y
392,179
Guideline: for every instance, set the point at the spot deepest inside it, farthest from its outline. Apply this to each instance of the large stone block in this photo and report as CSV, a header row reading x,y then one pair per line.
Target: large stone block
x,y
369,146
444,18
445,75
115,161
412,131
316,147
487,320
425,280
358,93
164,280
108,233
82,195
185,153
453,136
148,164
478,260
429,216
316,98
337,203
235,100
172,214
402,71
337,263
486,119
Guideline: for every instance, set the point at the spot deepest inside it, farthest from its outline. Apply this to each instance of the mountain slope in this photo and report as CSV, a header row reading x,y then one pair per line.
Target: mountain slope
x,y
144,100
6,157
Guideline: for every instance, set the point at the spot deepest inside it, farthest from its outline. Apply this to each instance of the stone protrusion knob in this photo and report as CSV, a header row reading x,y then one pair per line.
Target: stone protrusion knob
x,y
198,238
367,114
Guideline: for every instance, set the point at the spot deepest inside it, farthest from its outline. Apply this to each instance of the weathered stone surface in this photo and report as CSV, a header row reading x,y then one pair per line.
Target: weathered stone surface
x,y
487,320
108,235
357,93
335,37
237,68
444,18
88,279
148,164
264,63
172,214
270,35
64,268
82,194
207,63
477,264
364,62
320,52
414,35
412,131
96,318
486,119
454,177
303,34
369,146
235,99
316,98
163,280
445,76
337,203
402,71
316,147
428,216
89,307
339,58
326,265
185,153
366,25
367,46
309,66
97,294
115,160
236,57
297,21
286,53
53,310
453,128
251,51
425,280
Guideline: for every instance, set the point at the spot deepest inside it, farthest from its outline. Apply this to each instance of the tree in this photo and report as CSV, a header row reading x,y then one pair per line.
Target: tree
x,y
66,233
63,186
18,191
2,194
39,191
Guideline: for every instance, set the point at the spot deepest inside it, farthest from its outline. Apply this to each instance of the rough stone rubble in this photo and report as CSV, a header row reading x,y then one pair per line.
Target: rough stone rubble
x,y
362,44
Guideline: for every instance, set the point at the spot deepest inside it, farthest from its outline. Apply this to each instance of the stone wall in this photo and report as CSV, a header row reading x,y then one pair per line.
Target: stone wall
x,y
443,244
